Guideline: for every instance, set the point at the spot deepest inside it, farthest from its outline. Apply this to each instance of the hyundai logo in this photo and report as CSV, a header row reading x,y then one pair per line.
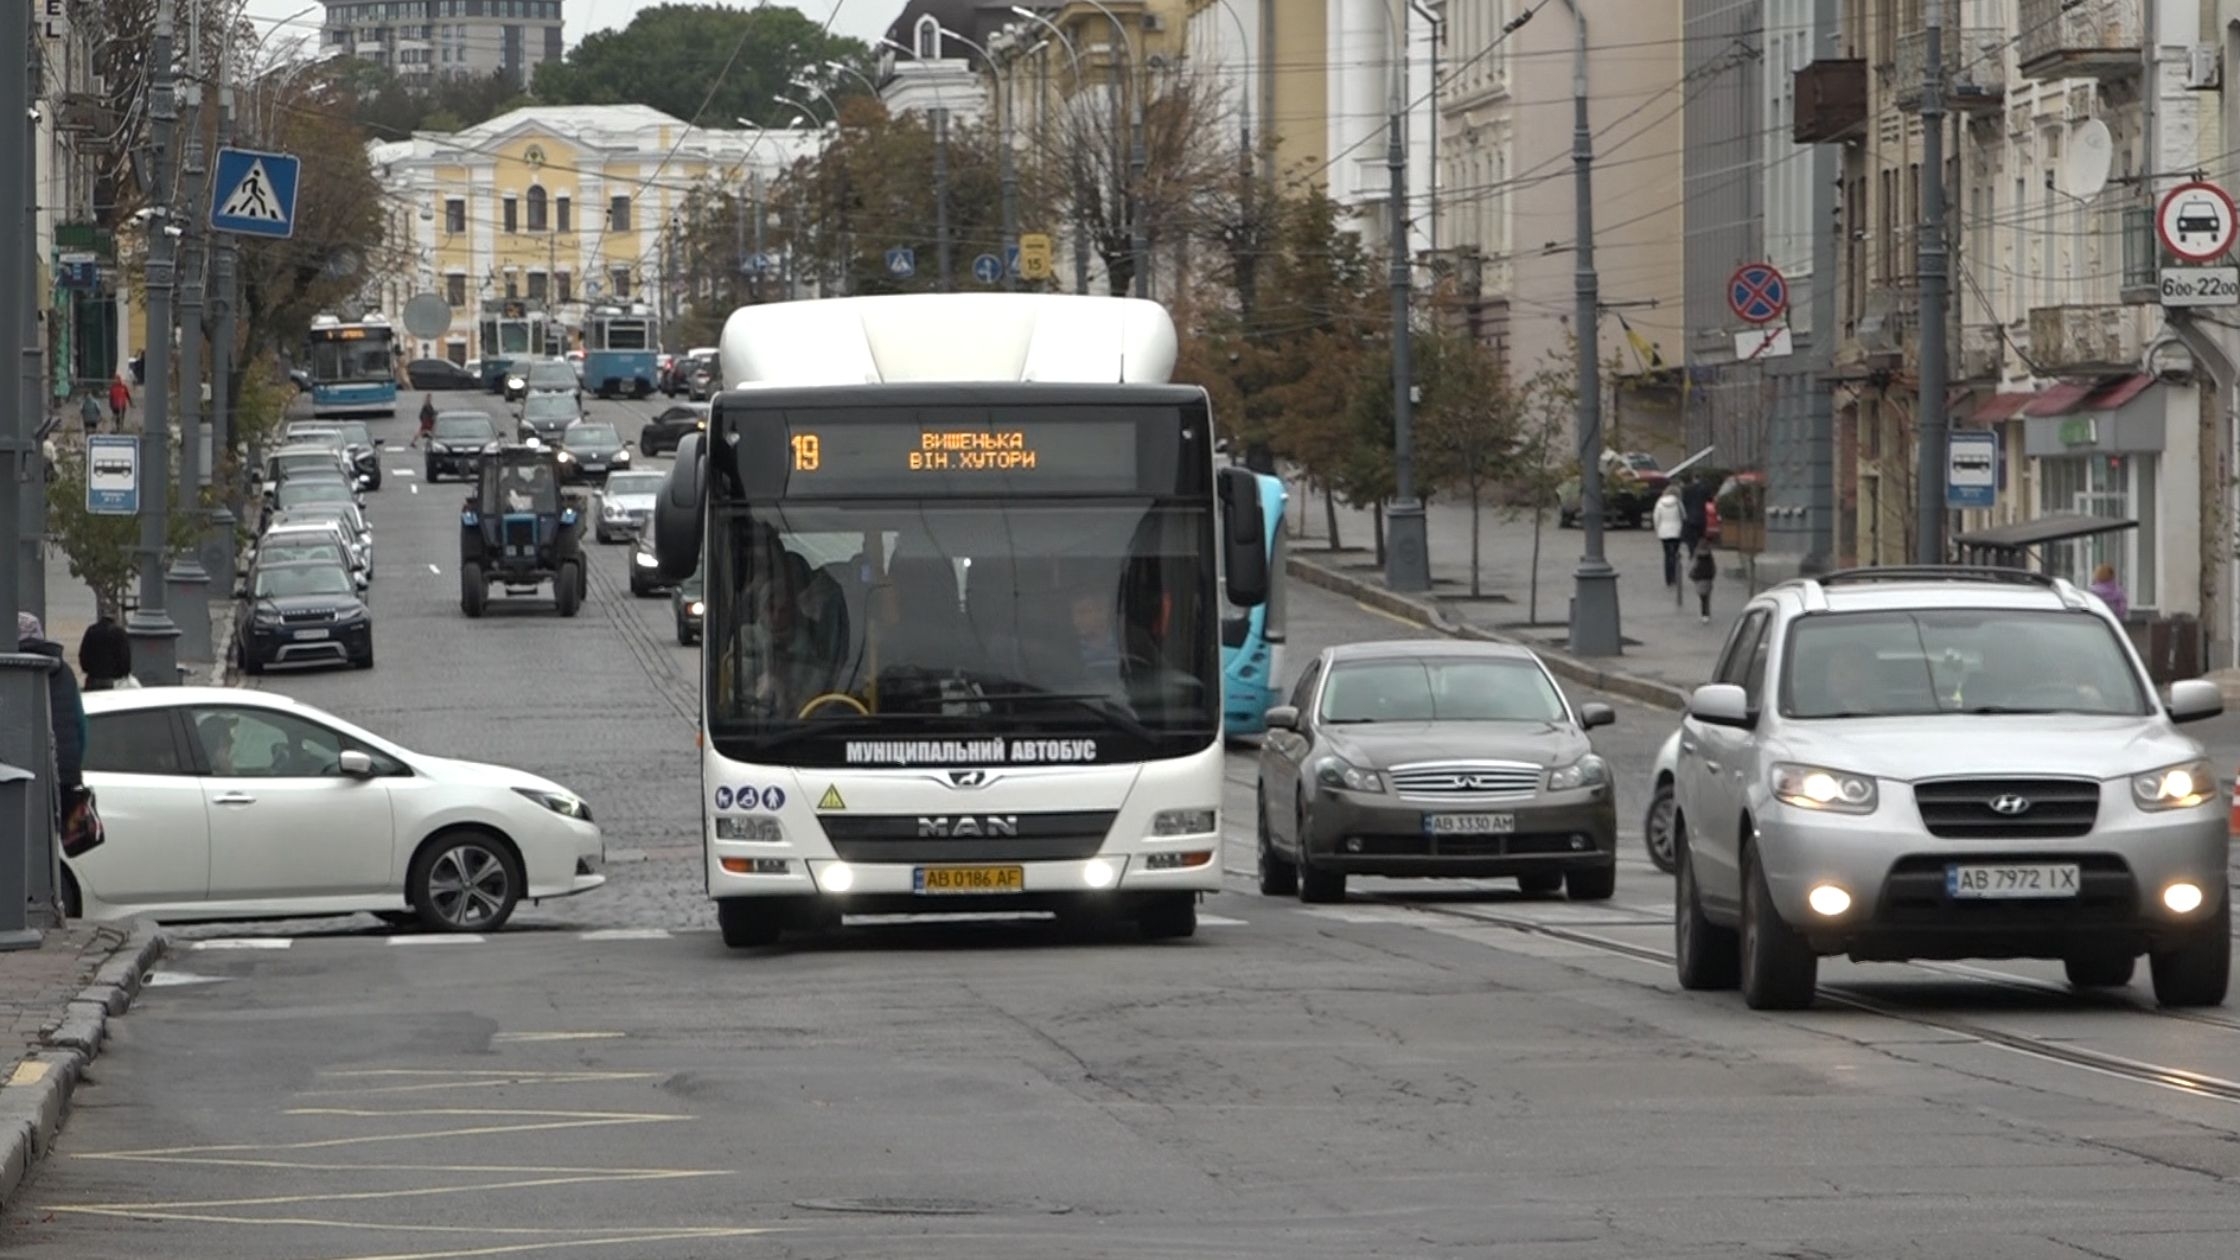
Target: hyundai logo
x,y
2010,805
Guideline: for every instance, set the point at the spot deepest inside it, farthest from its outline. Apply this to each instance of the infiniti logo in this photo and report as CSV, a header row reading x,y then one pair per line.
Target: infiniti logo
x,y
2010,805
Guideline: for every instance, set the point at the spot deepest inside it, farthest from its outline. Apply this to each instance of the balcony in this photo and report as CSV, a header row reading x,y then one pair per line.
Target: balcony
x,y
2083,340
1982,348
1831,102
2097,39
1975,69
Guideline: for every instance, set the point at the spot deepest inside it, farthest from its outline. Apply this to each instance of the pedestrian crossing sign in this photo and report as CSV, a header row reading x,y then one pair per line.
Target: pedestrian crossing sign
x,y
253,193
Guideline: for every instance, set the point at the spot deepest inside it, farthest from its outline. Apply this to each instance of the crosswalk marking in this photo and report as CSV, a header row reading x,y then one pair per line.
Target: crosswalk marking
x,y
248,942
462,938
626,934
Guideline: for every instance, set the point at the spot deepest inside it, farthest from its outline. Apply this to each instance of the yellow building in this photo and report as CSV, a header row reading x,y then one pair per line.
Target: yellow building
x,y
556,206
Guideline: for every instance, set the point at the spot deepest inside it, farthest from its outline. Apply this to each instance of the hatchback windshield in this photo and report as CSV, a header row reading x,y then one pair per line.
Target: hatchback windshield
x,y
309,579
291,552
1965,660
623,484
295,493
552,374
474,427
1440,691
317,435
593,435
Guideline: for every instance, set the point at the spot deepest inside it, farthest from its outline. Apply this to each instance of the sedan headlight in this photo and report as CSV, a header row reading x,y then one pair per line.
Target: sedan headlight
x,y
622,457
2175,787
695,608
1589,771
1337,772
1817,787
563,803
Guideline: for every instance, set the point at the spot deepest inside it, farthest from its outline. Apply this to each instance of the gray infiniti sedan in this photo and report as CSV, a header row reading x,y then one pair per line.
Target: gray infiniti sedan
x,y
1434,758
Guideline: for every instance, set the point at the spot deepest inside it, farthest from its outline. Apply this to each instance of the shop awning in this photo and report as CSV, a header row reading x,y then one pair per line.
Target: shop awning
x,y
2010,545
2060,399
2000,408
2094,394
2115,393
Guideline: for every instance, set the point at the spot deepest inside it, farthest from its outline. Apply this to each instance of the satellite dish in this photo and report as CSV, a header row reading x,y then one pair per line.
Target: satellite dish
x,y
2084,166
427,316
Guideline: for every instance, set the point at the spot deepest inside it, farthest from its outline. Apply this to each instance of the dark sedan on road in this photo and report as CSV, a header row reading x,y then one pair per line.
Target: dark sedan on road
x,y
665,431
460,440
1434,759
546,416
689,604
590,449
645,567
303,613
428,375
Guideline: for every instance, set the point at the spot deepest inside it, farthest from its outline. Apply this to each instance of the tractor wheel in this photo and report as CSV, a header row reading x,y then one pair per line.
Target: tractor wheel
x,y
567,588
473,589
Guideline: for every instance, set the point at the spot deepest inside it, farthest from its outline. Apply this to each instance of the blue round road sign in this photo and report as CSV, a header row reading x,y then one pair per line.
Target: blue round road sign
x,y
1757,294
987,269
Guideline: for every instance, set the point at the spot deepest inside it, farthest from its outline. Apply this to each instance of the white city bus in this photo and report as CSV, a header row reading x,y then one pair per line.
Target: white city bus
x,y
963,558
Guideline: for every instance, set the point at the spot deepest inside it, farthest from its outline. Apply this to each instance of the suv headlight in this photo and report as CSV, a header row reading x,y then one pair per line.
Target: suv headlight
x,y
566,804
1589,771
1817,787
2175,787
1337,772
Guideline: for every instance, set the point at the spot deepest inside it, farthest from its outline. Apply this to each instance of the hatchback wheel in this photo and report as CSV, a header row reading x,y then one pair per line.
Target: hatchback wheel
x,y
466,883
1706,955
1779,970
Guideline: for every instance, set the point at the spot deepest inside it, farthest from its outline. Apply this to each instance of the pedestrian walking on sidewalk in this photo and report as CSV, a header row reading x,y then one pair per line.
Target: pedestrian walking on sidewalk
x,y
1695,503
120,400
105,656
1669,519
1704,572
2110,591
89,413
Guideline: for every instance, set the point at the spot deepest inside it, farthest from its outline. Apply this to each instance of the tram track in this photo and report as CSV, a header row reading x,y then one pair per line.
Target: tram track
x,y
2160,1076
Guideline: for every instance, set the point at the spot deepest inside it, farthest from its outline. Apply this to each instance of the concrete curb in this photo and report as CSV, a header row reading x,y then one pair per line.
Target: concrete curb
x,y
1426,612
35,1101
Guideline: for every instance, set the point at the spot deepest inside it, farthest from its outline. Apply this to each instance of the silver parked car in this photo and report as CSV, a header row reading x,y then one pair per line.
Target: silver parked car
x,y
1434,758
626,504
1945,763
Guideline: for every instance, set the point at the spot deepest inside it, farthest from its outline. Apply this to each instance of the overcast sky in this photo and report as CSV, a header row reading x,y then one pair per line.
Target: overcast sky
x,y
864,19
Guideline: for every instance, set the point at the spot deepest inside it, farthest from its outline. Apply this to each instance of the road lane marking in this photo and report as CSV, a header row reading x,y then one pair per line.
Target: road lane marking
x,y
414,487
344,1196
627,934
557,1036
476,1079
166,979
448,938
612,1120
248,942
1388,616
433,569
1215,920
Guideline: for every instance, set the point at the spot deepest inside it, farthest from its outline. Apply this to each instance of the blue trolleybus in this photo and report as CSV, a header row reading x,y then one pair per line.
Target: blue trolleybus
x,y
353,367
619,344
510,330
1252,638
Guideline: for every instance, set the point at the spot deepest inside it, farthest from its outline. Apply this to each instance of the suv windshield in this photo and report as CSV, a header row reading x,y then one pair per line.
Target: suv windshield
x,y
310,579
1962,660
1440,691
474,428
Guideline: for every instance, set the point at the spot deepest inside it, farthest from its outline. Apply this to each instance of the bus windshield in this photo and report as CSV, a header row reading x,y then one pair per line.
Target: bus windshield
x,y
1081,623
505,336
363,360
626,334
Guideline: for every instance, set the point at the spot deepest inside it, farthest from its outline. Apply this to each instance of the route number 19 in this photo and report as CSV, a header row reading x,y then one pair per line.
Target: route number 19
x,y
807,452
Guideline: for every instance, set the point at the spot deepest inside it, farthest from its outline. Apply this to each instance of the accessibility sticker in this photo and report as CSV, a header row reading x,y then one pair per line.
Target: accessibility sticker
x,y
773,798
831,799
723,798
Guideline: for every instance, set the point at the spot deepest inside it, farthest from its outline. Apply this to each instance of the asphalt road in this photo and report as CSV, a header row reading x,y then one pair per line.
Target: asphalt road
x,y
1425,1070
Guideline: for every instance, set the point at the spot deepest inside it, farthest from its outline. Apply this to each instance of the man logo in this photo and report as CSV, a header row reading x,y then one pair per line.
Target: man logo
x,y
2010,805
969,825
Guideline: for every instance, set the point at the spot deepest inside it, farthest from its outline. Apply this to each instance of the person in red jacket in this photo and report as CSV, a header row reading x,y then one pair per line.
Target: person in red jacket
x,y
120,398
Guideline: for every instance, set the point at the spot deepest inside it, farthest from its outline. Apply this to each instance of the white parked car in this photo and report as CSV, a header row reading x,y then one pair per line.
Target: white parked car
x,y
229,804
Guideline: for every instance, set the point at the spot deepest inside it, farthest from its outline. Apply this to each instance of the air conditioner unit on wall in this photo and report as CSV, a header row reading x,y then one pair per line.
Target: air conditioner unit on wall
x,y
2204,68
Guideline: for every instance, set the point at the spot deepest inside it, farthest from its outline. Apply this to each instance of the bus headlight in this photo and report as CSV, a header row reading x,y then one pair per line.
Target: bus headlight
x,y
1183,822
837,877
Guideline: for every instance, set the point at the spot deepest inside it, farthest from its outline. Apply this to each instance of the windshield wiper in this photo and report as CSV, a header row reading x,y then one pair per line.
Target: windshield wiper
x,y
1349,721
1992,709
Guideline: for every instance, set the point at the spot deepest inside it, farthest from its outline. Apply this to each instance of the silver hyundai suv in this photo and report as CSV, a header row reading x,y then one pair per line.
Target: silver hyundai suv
x,y
1934,762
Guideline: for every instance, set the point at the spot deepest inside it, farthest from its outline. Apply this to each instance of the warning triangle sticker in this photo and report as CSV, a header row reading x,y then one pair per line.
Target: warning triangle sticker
x,y
253,198
831,799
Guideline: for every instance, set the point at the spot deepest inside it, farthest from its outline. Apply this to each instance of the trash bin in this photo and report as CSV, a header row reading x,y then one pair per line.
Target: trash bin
x,y
2170,646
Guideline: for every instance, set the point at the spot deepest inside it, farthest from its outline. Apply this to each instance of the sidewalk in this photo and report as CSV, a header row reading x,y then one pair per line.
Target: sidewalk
x,y
1667,651
57,1001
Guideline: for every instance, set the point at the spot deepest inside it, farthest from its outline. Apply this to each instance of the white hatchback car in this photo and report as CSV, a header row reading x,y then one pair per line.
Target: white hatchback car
x,y
229,804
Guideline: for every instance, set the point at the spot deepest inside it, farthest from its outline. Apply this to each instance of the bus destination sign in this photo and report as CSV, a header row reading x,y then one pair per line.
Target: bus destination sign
x,y
912,458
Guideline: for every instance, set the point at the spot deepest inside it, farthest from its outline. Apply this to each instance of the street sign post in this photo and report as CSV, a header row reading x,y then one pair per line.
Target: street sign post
x,y
902,262
2197,221
253,193
1757,293
1034,256
1971,475
987,269
112,474
2201,286
1771,342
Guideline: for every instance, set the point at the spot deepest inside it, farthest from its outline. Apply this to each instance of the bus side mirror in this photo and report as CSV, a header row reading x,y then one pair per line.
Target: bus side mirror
x,y
1244,538
678,513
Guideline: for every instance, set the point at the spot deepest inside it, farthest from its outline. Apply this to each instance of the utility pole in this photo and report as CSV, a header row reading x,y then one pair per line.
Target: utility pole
x,y
941,192
1139,260
31,577
187,580
755,185
1594,599
1819,409
155,637
217,548
27,837
1010,177
1407,557
1928,480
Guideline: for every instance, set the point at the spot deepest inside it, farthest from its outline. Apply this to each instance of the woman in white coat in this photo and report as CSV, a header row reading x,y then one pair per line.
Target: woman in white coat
x,y
1668,518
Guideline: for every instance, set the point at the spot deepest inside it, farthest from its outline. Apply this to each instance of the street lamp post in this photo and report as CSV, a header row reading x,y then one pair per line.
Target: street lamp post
x,y
1010,173
1080,227
1407,546
1594,600
1138,265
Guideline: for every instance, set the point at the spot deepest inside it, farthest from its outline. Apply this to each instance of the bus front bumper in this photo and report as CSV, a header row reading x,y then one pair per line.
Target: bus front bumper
x,y
937,887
